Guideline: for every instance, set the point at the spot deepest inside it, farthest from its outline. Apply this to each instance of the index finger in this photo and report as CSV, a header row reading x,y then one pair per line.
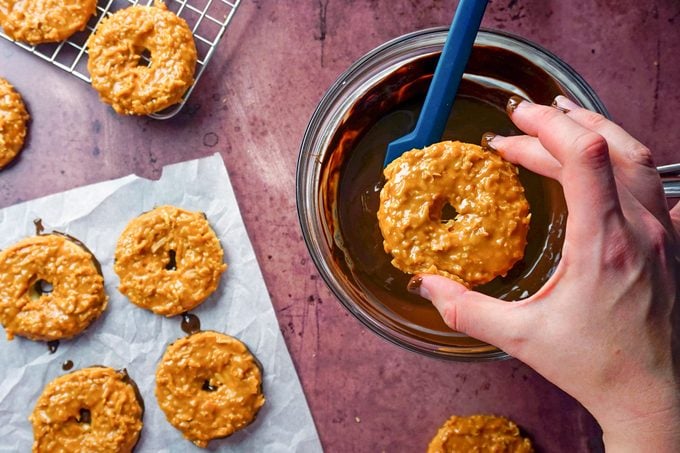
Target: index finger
x,y
586,175
632,161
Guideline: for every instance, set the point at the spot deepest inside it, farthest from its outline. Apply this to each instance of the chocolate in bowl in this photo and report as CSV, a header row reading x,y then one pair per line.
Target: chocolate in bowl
x,y
340,174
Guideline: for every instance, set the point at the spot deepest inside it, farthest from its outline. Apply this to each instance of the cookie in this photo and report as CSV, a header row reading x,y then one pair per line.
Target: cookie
x,y
95,409
13,119
42,21
486,236
168,260
51,288
479,433
209,386
120,74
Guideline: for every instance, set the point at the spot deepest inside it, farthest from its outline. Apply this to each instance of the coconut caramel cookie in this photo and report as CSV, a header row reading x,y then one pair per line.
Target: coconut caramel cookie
x,y
51,288
92,409
209,386
122,77
168,260
13,119
42,21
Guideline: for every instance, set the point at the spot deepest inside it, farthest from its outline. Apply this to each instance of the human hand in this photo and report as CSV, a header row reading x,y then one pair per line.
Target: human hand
x,y
601,327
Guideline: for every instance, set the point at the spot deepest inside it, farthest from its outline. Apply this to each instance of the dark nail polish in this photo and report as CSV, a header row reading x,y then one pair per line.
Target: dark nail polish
x,y
414,284
487,137
513,102
561,109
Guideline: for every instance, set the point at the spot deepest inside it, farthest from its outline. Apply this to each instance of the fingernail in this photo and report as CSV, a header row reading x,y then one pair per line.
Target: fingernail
x,y
414,284
564,104
487,138
557,107
513,103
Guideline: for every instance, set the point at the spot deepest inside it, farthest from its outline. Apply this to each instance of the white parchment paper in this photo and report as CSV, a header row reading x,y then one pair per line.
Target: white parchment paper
x,y
126,336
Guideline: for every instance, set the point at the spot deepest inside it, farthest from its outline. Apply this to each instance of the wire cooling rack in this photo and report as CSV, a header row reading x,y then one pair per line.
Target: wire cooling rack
x,y
208,19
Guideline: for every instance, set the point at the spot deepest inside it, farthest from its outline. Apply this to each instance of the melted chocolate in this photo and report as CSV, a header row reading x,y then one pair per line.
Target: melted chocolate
x,y
352,178
190,323
39,228
127,379
172,264
67,365
207,387
53,346
85,416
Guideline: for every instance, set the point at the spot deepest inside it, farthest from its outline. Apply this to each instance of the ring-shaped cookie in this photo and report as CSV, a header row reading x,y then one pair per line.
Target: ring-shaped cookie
x,y
13,118
121,75
50,288
42,21
209,386
168,260
92,409
487,235
482,433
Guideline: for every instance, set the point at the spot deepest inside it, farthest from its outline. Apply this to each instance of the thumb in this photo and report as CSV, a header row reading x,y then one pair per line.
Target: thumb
x,y
475,314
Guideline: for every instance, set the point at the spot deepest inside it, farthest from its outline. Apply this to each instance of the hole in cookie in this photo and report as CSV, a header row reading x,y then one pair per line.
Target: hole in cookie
x,y
144,58
448,213
85,416
207,387
172,264
442,211
39,288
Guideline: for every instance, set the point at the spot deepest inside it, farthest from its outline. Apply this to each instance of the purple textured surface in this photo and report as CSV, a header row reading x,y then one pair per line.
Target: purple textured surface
x,y
252,106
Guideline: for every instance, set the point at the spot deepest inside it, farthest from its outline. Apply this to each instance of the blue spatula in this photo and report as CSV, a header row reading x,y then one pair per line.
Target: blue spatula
x,y
445,82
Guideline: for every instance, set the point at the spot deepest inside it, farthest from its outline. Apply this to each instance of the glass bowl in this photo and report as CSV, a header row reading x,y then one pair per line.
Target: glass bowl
x,y
339,175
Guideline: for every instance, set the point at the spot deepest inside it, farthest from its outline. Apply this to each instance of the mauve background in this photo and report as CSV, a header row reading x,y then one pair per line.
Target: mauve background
x,y
252,105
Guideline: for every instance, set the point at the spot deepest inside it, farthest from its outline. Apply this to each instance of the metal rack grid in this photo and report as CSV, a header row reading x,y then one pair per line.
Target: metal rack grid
x,y
208,19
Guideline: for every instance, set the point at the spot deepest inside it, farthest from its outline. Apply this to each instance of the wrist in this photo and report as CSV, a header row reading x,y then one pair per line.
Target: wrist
x,y
639,411
655,432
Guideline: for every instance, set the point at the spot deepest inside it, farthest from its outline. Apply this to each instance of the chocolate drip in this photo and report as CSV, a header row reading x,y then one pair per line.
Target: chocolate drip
x,y
190,323
129,380
39,228
53,346
67,365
